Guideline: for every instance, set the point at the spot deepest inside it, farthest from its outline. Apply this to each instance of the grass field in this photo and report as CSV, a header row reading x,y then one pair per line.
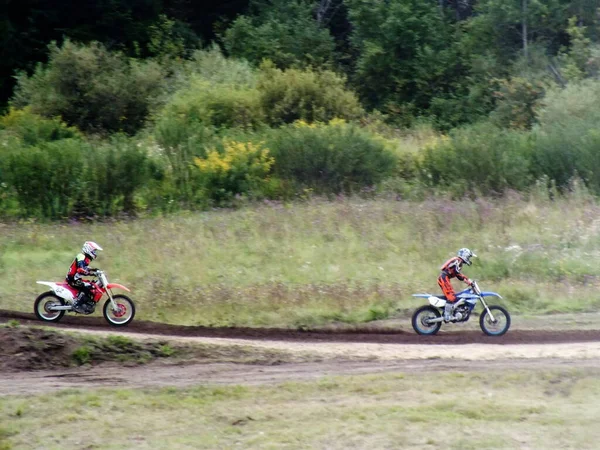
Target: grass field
x,y
436,410
311,263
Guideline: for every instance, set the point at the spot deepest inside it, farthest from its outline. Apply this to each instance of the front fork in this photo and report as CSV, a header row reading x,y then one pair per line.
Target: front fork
x,y
112,300
487,309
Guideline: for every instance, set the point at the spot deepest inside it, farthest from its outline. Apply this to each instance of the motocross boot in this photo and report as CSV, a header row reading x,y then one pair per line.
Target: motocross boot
x,y
79,301
448,307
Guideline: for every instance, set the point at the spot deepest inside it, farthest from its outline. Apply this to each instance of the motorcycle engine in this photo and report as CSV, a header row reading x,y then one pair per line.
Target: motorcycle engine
x,y
87,307
462,313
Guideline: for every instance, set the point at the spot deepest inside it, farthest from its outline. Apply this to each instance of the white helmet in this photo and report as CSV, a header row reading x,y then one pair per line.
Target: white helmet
x,y
465,254
89,248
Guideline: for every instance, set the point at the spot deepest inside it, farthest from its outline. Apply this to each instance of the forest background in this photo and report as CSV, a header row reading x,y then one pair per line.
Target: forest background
x,y
298,162
144,107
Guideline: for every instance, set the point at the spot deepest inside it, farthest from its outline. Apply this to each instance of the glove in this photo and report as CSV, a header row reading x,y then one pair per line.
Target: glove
x,y
92,271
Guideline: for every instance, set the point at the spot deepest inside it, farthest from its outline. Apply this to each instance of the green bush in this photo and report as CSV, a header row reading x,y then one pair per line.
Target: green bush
x,y
92,88
567,140
517,101
31,129
72,177
479,158
218,105
114,172
47,178
180,140
213,67
333,158
290,95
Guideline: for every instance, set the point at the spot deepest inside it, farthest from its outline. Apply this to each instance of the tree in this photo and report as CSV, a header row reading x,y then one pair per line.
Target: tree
x,y
407,54
507,27
283,31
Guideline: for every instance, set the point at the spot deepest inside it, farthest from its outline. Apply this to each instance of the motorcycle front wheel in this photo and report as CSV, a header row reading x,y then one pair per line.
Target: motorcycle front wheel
x,y
42,306
499,325
421,317
124,313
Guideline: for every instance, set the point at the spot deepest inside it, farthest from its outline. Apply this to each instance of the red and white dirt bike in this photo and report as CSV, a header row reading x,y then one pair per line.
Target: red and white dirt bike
x,y
51,306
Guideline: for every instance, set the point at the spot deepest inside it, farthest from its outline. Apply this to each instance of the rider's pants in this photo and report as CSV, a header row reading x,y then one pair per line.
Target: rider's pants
x,y
447,289
82,286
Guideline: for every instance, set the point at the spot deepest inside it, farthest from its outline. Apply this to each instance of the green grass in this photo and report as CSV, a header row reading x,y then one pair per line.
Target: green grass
x,y
431,410
307,264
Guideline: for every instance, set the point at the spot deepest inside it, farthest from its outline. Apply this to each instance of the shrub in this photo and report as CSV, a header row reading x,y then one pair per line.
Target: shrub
x,y
71,177
180,140
218,105
213,67
290,95
31,129
235,168
329,158
47,178
517,101
91,88
114,172
287,96
567,142
480,158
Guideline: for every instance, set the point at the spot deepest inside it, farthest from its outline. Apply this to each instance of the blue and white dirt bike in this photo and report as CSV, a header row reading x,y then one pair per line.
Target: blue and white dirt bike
x,y
494,320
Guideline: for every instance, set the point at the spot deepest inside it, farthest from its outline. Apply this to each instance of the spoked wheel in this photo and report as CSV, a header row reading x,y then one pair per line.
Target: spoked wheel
x,y
124,313
42,306
421,318
499,325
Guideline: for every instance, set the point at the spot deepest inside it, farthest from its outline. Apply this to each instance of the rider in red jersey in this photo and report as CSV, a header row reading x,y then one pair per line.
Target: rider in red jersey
x,y
80,267
452,269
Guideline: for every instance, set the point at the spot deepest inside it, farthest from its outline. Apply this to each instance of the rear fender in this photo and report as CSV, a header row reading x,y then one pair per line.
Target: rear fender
x,y
433,300
436,301
117,286
60,291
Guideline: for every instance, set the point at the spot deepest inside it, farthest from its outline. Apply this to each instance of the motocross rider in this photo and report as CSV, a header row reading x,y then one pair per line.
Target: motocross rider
x,y
451,269
79,267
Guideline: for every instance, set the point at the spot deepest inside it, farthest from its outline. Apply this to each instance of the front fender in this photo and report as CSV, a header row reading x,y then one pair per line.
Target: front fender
x,y
117,286
490,294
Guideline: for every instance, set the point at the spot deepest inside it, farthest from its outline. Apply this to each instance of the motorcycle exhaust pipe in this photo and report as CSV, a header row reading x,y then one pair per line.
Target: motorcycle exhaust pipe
x,y
436,320
61,308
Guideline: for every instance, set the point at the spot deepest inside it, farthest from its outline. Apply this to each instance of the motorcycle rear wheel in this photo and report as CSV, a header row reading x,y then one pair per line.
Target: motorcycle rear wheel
x,y
501,322
43,302
124,315
419,320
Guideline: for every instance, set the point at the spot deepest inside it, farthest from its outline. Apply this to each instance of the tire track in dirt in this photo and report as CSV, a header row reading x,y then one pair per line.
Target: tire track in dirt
x,y
358,334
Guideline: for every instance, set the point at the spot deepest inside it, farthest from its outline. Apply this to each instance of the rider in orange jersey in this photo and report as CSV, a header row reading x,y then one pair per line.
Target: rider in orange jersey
x,y
452,269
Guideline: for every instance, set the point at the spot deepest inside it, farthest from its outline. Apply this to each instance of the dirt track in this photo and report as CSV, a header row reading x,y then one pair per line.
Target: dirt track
x,y
278,334
343,352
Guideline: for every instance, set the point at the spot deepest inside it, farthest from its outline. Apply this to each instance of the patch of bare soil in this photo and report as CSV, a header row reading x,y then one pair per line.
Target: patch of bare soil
x,y
29,349
33,349
158,374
